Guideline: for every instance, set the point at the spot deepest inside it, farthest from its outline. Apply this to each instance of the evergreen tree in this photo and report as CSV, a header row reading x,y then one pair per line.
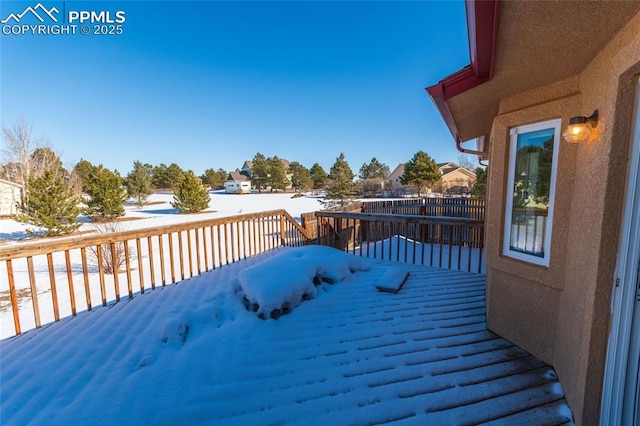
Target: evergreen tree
x,y
318,176
220,177
277,174
373,176
190,196
51,204
175,176
214,178
341,187
138,183
81,171
374,170
106,192
160,178
480,187
300,177
421,172
259,172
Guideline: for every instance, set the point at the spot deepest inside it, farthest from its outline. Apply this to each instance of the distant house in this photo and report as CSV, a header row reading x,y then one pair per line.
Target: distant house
x,y
10,194
246,168
237,183
247,165
395,186
373,187
453,177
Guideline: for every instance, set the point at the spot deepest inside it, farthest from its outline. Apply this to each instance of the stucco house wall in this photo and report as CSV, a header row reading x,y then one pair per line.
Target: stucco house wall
x,y
452,175
456,177
394,178
10,194
562,313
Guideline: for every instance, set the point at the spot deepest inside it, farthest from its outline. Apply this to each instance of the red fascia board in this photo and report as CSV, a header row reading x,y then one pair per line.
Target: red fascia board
x,y
457,83
437,96
451,86
482,22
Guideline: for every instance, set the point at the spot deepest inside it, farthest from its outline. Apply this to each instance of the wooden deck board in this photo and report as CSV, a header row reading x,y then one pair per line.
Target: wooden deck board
x,y
419,357
442,366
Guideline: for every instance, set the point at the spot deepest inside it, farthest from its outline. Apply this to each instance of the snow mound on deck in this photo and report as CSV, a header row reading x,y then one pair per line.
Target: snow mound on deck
x,y
279,284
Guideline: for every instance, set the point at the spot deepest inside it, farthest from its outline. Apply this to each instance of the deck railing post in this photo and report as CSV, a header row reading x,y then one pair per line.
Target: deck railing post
x,y
13,297
54,289
282,238
72,295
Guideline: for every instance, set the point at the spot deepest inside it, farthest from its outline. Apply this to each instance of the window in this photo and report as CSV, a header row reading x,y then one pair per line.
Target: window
x,y
533,159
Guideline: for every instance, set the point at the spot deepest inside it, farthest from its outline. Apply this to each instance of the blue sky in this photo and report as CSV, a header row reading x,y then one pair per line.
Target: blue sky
x,y
209,84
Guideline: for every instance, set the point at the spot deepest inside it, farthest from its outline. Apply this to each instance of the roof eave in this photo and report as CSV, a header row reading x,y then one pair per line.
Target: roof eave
x,y
482,23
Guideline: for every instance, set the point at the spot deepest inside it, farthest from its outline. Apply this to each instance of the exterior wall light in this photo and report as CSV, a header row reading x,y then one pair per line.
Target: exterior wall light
x,y
580,129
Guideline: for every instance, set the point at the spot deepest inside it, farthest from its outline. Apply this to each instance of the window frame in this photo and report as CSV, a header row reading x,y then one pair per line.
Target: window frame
x,y
554,124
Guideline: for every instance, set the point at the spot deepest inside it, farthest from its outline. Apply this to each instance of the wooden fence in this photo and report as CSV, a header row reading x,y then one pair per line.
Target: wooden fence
x,y
310,223
470,208
449,242
162,255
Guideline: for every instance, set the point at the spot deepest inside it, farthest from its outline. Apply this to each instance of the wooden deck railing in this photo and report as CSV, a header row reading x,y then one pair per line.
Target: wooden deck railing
x,y
448,242
75,266
469,208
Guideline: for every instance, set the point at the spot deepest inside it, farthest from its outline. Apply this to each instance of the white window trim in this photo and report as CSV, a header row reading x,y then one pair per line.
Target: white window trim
x,y
506,250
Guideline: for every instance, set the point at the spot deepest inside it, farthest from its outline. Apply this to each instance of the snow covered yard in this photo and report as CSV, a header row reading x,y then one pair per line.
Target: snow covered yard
x,y
192,353
157,214
159,211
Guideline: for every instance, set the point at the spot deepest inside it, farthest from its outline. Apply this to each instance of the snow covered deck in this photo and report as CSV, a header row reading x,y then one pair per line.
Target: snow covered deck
x,y
191,353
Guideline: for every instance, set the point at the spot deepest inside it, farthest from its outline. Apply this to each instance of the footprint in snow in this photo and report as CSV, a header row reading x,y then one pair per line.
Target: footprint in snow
x,y
145,360
175,331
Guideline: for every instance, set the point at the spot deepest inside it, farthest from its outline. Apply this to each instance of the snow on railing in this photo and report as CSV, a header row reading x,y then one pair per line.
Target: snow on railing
x,y
446,242
50,280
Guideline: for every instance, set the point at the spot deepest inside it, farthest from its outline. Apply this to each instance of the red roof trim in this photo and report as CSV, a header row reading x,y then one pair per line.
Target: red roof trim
x,y
482,20
482,23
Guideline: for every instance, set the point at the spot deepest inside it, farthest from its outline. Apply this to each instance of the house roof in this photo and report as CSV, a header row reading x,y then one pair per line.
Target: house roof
x,y
7,182
249,164
517,46
447,168
397,172
237,176
192,353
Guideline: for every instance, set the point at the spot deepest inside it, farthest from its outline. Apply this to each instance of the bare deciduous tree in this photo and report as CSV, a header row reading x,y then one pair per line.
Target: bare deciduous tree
x,y
111,263
18,149
467,162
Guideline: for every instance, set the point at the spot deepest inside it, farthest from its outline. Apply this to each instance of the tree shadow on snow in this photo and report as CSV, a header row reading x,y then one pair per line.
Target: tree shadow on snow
x,y
163,211
18,235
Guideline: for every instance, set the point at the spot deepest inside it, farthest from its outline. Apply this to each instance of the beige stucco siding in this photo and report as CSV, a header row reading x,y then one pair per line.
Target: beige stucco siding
x,y
536,315
459,177
561,313
9,196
